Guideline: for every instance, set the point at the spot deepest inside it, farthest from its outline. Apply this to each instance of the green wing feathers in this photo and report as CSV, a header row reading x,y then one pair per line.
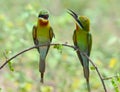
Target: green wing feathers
x,y
75,43
34,35
51,34
89,43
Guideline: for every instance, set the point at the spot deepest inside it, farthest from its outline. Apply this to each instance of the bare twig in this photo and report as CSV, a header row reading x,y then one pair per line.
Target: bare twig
x,y
8,60
100,76
108,78
30,48
75,48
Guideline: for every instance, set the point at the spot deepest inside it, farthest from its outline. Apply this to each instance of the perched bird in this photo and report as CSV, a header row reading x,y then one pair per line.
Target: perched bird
x,y
42,35
83,41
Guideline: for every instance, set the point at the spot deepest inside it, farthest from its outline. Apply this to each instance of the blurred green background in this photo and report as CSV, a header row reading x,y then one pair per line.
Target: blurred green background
x,y
63,72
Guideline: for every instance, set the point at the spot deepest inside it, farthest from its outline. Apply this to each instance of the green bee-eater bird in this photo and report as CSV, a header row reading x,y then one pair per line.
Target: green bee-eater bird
x,y
42,35
83,40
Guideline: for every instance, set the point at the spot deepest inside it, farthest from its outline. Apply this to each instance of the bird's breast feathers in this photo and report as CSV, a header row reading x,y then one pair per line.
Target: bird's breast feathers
x,y
82,40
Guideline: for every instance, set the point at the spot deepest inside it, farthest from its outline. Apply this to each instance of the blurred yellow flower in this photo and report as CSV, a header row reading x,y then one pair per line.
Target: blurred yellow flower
x,y
112,63
75,84
10,24
2,17
28,86
46,89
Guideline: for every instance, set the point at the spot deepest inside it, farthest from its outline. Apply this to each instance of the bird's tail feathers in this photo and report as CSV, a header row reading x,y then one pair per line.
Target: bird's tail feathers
x,y
86,72
86,75
88,86
42,69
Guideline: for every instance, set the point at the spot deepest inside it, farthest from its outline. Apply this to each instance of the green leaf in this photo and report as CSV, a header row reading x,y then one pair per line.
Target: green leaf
x,y
115,85
59,47
56,46
10,66
92,68
118,77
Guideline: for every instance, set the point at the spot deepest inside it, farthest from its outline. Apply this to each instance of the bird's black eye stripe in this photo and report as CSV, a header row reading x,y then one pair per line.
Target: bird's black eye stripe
x,y
44,16
40,15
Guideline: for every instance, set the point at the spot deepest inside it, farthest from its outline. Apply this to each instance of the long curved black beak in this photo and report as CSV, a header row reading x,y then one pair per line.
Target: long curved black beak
x,y
75,16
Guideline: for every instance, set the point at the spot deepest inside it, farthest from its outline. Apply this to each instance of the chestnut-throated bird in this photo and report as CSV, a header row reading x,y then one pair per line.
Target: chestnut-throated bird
x,y
42,35
83,41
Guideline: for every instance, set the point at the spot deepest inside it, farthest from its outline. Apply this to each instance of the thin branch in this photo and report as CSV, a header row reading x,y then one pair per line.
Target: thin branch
x,y
8,60
30,48
100,76
75,48
108,78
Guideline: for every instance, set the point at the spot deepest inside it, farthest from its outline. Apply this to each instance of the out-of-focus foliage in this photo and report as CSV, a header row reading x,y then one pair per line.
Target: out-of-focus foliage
x,y
63,72
116,88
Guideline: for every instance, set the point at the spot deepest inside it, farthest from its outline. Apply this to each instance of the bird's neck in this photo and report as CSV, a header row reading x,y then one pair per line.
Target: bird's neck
x,y
43,22
77,27
85,29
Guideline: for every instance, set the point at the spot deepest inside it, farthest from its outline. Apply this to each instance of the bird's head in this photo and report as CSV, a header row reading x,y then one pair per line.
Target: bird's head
x,y
85,22
43,18
82,21
44,14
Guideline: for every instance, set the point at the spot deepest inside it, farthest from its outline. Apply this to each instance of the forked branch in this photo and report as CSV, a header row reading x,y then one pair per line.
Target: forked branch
x,y
75,48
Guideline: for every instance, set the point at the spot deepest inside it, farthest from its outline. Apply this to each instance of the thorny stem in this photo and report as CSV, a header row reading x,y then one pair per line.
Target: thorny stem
x,y
75,48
